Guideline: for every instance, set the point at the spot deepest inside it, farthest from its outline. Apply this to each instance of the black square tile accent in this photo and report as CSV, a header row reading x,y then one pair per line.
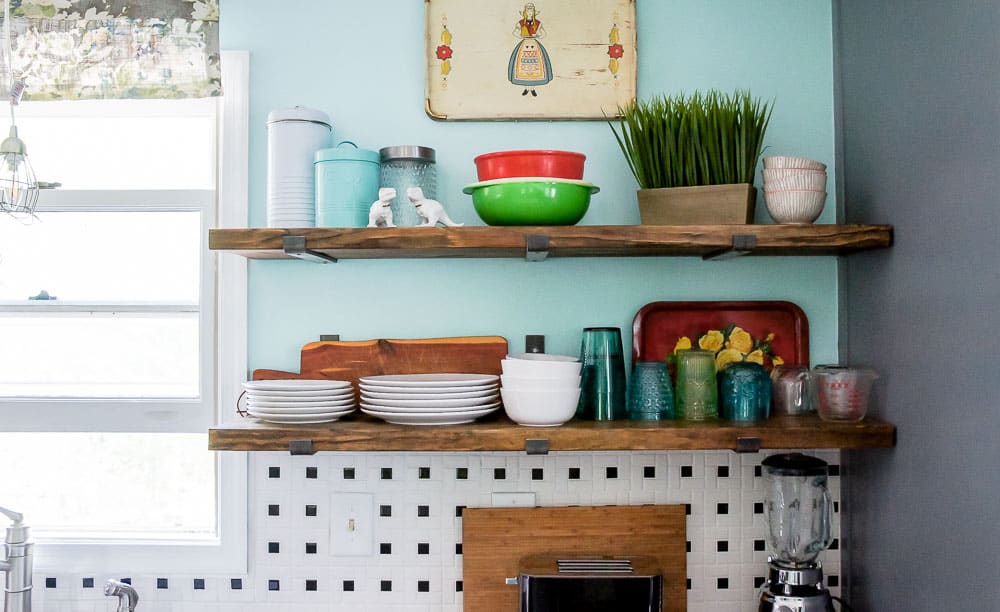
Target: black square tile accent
x,y
836,507
311,585
458,548
310,548
722,508
499,474
273,585
759,545
758,581
461,473
537,473
385,510
385,548
348,473
386,473
722,583
423,548
273,510
312,472
50,583
689,546
757,471
310,510
459,510
236,584
649,471
423,586
758,508
273,547
687,471
574,473
722,471
88,583
424,473
126,580
611,472
385,585
722,546
458,586
834,470
199,584
689,584
162,583
687,509
274,472
348,585
835,545
833,581
423,511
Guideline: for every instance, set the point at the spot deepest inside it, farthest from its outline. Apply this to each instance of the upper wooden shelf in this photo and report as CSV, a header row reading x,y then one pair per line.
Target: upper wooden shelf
x,y
537,242
362,433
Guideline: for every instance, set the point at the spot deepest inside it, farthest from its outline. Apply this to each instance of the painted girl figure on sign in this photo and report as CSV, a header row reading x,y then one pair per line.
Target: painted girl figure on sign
x,y
529,65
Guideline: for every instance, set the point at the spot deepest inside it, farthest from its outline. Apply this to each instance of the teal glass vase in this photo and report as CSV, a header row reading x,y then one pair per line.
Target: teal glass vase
x,y
744,392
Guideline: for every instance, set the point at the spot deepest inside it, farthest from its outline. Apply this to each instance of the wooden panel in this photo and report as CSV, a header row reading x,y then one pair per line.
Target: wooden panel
x,y
494,540
564,241
361,433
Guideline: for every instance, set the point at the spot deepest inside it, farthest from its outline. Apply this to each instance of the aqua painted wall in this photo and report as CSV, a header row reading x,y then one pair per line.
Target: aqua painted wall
x,y
363,63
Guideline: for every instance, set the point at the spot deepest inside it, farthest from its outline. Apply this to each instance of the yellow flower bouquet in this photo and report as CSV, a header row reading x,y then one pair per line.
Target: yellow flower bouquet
x,y
732,344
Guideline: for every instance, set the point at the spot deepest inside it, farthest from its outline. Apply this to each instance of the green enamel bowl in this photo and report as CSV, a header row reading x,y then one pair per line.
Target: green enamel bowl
x,y
531,201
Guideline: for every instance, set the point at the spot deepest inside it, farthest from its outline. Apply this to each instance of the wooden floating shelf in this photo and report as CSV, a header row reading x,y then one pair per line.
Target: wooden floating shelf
x,y
538,242
362,433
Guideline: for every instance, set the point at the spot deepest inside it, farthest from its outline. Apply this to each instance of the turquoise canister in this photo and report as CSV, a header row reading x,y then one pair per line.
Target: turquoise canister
x,y
744,392
346,185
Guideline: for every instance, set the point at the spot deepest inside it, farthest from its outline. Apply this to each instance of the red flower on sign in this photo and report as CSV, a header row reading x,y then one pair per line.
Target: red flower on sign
x,y
616,51
443,52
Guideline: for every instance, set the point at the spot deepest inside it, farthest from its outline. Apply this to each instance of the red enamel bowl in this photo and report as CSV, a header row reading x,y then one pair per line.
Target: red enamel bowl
x,y
537,163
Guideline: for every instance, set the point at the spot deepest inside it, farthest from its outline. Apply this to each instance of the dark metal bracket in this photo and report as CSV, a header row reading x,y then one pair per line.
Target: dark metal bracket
x,y
295,246
536,446
329,337
534,343
743,244
536,247
301,447
747,445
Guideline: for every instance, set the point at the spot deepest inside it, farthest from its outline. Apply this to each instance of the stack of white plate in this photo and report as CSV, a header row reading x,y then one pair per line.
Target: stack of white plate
x,y
429,399
299,401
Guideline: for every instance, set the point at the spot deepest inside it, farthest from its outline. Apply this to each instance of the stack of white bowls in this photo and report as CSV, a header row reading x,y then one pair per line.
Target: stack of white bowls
x,y
293,137
794,188
540,390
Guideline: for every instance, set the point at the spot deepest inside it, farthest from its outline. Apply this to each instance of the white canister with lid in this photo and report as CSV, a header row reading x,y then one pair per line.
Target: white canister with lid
x,y
293,137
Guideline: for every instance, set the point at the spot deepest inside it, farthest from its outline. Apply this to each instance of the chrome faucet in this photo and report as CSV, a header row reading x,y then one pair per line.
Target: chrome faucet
x,y
127,597
16,564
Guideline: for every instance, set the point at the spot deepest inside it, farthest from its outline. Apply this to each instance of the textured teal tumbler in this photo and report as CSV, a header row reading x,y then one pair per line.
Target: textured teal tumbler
x,y
650,393
602,384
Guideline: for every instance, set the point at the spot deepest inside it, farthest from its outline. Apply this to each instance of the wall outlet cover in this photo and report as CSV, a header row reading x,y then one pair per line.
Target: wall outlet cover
x,y
352,517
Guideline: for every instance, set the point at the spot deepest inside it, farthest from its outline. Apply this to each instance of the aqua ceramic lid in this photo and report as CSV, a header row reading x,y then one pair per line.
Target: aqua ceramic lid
x,y
299,113
346,151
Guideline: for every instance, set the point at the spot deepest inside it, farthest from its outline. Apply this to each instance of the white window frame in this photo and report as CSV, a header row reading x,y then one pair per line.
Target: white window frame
x,y
226,553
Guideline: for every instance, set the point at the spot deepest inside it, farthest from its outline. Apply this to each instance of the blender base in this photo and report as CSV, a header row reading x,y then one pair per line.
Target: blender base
x,y
795,589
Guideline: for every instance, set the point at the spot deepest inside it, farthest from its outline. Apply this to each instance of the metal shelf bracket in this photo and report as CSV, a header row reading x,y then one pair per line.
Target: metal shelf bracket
x,y
534,343
536,247
743,244
295,246
301,447
747,445
536,446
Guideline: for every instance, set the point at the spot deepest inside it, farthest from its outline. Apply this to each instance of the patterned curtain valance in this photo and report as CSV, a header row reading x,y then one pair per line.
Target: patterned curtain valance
x,y
86,49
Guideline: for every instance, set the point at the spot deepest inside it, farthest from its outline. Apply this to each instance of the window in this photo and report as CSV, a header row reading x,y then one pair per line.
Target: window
x,y
110,350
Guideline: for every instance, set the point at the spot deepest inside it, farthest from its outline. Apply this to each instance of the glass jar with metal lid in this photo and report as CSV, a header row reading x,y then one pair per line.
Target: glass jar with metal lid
x,y
404,167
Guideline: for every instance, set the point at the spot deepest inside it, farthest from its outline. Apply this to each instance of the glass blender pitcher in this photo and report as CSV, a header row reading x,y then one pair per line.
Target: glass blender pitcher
x,y
797,509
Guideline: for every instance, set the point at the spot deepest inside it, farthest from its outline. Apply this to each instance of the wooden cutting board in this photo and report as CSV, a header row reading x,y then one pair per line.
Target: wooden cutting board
x,y
350,360
494,540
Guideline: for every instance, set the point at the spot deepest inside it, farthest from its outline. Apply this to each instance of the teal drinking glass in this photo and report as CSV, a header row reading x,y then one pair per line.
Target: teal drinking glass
x,y
744,392
602,376
697,389
650,393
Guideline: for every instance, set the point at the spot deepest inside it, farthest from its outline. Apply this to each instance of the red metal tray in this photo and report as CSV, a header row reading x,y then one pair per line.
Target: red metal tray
x,y
658,325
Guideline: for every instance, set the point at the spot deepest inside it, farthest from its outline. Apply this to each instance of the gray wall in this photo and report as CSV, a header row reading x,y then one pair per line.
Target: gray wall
x,y
920,134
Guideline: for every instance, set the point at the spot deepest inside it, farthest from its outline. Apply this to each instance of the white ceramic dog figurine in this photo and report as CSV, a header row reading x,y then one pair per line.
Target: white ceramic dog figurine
x,y
380,214
431,210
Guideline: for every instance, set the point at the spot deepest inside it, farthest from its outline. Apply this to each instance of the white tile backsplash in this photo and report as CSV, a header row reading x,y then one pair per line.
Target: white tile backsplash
x,y
416,565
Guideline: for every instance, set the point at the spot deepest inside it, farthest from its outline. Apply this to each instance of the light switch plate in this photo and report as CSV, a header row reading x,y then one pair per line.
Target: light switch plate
x,y
513,500
352,518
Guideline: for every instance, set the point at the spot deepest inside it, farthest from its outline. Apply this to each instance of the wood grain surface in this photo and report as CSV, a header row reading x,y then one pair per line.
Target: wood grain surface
x,y
494,540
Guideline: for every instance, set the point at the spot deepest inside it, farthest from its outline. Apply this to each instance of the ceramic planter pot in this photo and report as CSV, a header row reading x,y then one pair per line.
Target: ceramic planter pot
x,y
701,205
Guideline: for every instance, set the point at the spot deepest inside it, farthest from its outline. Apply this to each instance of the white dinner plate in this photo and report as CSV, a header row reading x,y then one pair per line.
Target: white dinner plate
x,y
303,394
301,405
295,384
365,387
433,394
430,418
428,409
316,414
431,380
468,402
308,419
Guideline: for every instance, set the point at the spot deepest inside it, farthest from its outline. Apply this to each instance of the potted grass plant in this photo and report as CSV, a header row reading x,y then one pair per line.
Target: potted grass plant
x,y
694,156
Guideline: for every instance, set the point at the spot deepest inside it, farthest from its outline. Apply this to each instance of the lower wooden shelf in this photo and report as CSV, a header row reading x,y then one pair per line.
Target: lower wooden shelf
x,y
362,433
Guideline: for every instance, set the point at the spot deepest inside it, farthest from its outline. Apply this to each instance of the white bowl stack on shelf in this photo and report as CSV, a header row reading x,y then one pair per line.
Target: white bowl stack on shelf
x,y
299,401
429,399
794,189
540,390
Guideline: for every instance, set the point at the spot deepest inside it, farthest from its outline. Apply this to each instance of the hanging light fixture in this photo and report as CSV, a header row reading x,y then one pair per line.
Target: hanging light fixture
x,y
18,186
